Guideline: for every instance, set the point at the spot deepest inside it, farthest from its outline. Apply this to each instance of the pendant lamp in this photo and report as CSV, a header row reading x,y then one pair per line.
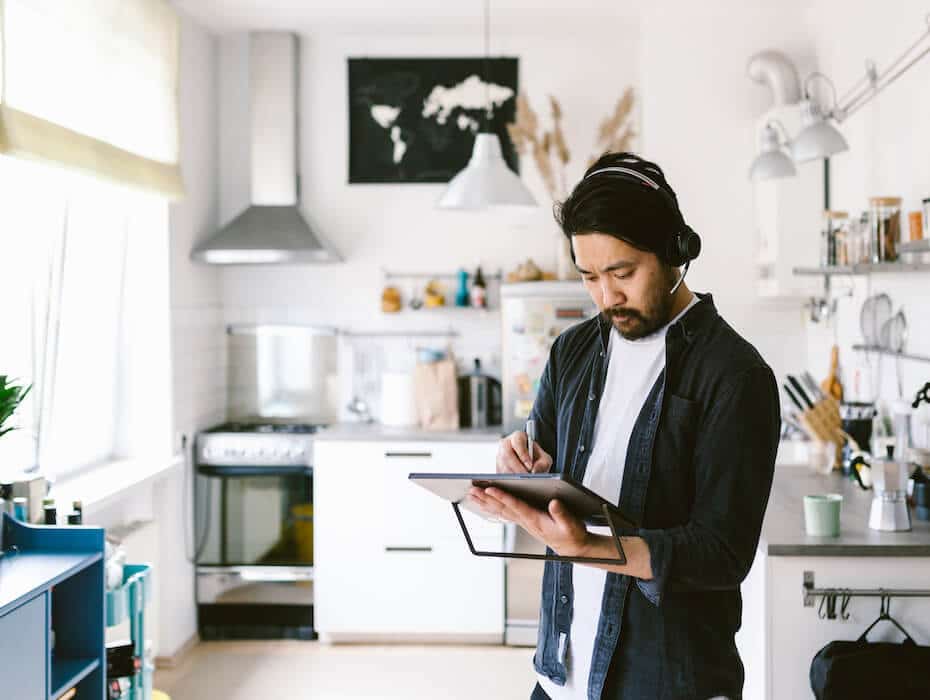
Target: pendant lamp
x,y
486,181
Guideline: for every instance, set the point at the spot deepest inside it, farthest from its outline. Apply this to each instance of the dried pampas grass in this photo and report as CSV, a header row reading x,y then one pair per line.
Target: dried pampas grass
x,y
549,149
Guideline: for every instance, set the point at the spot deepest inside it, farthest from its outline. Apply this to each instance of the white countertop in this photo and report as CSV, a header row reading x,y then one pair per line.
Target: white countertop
x,y
376,431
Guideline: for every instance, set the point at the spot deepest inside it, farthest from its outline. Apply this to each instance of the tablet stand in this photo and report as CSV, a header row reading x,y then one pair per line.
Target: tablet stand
x,y
608,516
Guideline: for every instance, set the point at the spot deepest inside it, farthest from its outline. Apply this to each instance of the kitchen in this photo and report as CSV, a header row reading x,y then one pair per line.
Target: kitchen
x,y
205,345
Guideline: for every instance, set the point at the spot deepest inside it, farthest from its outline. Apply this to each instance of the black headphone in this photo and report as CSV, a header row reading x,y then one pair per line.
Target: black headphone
x,y
684,245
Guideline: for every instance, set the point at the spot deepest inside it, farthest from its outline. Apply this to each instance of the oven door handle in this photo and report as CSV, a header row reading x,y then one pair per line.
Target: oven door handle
x,y
272,574
231,470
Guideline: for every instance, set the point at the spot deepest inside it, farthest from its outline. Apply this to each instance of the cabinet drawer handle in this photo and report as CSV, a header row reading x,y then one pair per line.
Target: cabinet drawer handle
x,y
408,454
408,549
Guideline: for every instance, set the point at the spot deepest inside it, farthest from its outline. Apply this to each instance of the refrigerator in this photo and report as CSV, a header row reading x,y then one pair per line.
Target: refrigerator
x,y
533,314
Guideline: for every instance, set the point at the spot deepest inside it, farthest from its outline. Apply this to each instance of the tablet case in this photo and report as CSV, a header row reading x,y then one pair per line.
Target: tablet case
x,y
537,489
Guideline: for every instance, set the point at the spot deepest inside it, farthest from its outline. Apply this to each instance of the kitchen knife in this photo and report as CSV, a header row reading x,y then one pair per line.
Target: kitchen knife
x,y
812,385
800,391
794,399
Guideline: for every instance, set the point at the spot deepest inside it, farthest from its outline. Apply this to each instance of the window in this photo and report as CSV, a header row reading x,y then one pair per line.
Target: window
x,y
84,284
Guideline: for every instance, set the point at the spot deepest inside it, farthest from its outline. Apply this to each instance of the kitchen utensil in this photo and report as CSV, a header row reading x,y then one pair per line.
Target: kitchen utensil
x,y
479,397
876,310
893,339
889,510
822,514
831,385
794,399
799,390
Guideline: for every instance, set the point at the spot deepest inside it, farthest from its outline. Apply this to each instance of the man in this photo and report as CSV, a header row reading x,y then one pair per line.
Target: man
x,y
658,405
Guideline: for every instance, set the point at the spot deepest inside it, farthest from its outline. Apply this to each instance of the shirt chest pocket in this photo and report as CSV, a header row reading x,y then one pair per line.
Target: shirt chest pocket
x,y
677,436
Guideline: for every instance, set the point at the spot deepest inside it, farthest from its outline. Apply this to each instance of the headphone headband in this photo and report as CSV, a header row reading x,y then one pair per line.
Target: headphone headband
x,y
684,245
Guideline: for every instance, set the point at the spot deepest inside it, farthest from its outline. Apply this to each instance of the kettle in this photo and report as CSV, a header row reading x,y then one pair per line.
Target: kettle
x,y
480,403
889,503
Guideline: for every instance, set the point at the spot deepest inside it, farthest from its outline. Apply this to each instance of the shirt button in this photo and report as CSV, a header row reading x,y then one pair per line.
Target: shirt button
x,y
591,397
564,599
581,448
602,353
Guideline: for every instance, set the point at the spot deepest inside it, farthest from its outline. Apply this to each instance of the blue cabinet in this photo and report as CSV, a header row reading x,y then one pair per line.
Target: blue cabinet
x,y
51,581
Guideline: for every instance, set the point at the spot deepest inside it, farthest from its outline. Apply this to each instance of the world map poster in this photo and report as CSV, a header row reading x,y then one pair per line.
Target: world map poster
x,y
415,119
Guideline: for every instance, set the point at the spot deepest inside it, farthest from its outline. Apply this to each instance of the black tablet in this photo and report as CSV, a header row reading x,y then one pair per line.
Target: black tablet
x,y
535,489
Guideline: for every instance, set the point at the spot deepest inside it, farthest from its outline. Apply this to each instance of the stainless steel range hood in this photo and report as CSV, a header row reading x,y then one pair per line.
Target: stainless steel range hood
x,y
271,229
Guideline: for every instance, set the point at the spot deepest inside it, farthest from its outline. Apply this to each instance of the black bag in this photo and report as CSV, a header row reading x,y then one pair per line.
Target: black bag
x,y
871,671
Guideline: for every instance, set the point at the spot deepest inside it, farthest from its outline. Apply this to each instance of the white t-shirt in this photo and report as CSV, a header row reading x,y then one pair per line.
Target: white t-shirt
x,y
632,371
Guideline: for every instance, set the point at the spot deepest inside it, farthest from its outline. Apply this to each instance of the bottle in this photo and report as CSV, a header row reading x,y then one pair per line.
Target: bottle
x,y
78,507
75,519
21,509
479,291
461,295
51,514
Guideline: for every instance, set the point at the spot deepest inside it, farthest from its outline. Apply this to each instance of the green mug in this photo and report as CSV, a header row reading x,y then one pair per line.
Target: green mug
x,y
822,514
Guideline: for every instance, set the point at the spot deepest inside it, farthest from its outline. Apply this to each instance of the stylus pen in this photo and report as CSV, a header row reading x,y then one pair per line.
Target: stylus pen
x,y
530,439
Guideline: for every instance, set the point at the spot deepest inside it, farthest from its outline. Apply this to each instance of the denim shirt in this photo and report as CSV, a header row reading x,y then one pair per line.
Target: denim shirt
x,y
698,472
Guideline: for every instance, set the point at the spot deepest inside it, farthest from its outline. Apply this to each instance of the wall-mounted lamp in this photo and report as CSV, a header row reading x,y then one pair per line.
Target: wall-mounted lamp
x,y
819,138
773,161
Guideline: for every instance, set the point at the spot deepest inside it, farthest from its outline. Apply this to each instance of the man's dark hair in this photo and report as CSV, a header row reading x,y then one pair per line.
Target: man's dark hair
x,y
619,206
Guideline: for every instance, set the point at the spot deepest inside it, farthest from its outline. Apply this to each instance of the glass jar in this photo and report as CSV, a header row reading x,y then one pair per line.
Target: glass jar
x,y
833,235
885,217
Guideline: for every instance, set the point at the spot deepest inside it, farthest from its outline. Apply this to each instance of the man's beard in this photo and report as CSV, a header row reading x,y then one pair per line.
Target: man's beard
x,y
634,324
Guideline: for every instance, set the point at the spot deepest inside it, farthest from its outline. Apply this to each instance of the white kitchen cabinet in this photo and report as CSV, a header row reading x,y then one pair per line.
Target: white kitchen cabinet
x,y
390,561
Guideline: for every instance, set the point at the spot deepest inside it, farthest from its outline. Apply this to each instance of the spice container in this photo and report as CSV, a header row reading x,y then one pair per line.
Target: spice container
x,y
885,216
833,234
915,225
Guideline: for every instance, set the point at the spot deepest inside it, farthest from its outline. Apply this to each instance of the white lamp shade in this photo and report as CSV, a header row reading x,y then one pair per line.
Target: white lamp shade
x,y
772,162
818,139
769,165
486,181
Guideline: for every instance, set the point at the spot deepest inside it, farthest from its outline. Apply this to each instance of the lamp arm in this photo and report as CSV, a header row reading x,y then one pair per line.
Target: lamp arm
x,y
856,98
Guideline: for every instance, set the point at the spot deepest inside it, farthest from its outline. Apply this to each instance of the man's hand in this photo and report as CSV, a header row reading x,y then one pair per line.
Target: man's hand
x,y
513,456
558,529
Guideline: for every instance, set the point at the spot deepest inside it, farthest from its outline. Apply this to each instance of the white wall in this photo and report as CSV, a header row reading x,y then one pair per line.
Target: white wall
x,y
398,226
889,154
198,339
699,112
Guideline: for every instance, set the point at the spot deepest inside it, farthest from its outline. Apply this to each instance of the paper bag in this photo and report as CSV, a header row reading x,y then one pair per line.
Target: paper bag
x,y
436,391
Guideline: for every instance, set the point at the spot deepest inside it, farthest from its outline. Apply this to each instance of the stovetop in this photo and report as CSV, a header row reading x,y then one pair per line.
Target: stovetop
x,y
267,428
256,444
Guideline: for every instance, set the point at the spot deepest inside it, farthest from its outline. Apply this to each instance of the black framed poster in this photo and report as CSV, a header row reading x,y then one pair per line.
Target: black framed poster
x,y
414,119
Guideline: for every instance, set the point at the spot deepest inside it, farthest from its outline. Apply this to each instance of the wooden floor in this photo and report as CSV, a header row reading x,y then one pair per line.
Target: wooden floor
x,y
314,671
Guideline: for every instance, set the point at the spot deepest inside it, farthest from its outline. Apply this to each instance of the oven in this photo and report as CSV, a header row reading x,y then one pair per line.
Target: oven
x,y
254,531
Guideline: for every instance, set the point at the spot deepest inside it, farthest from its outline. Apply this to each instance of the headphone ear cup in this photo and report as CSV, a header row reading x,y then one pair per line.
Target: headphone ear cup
x,y
684,247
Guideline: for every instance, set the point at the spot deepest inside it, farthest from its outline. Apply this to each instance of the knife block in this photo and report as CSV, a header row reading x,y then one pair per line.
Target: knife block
x,y
822,423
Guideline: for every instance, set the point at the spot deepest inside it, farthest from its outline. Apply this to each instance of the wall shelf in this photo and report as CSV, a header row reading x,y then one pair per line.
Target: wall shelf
x,y
882,351
395,275
864,269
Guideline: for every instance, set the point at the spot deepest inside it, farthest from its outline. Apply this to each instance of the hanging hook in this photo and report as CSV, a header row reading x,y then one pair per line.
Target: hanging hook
x,y
846,598
820,611
831,607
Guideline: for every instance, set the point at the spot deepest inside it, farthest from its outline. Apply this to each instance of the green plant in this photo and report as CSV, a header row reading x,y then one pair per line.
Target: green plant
x,y
11,395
